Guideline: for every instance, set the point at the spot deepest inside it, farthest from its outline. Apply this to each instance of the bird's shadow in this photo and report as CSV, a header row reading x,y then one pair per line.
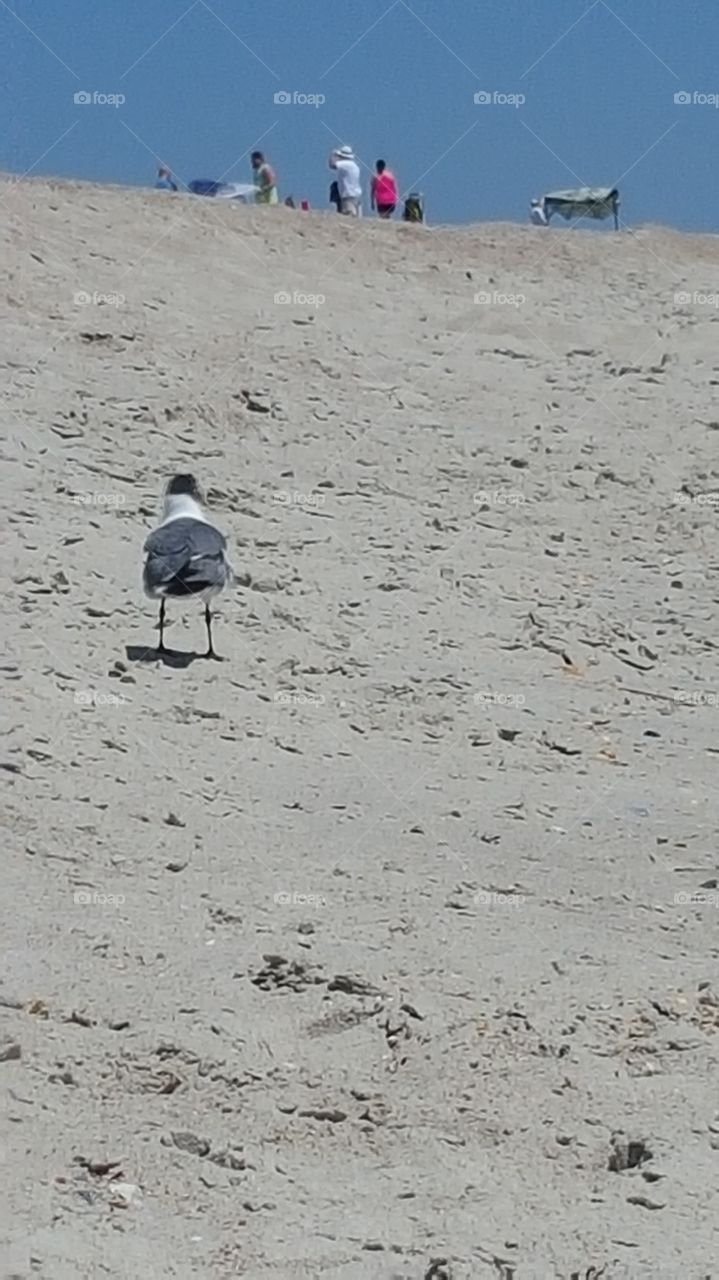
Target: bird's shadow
x,y
168,657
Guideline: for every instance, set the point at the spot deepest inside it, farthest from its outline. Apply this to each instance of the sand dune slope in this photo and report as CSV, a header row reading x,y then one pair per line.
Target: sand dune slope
x,y
356,951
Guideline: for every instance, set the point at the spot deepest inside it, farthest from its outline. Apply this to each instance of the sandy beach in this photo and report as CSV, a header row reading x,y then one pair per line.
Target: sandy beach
x,y
385,949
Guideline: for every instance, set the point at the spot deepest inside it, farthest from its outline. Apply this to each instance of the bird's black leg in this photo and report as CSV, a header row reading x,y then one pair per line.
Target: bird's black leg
x,y
208,623
161,645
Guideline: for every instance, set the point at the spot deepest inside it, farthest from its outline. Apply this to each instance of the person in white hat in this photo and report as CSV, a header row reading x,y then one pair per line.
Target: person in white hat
x,y
348,180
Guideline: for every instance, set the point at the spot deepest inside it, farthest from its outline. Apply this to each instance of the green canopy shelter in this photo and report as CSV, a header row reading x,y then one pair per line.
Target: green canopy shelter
x,y
585,202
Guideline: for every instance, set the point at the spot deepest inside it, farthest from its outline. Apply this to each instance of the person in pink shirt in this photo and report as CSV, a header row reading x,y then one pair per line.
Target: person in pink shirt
x,y
384,190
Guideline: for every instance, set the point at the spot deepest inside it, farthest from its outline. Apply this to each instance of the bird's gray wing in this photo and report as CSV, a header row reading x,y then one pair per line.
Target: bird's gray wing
x,y
189,554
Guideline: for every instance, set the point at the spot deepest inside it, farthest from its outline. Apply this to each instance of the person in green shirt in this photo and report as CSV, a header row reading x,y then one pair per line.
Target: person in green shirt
x,y
263,176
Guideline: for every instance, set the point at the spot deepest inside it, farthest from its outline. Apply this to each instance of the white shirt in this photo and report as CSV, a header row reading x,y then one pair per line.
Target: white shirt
x,y
348,179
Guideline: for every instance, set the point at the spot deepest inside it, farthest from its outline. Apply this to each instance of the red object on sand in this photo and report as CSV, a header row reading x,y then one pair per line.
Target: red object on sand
x,y
305,204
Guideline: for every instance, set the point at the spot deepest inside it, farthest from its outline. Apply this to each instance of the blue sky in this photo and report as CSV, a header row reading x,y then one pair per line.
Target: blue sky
x,y
398,79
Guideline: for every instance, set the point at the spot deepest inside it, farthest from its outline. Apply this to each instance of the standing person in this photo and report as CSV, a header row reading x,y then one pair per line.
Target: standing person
x,y
263,176
349,186
384,190
165,180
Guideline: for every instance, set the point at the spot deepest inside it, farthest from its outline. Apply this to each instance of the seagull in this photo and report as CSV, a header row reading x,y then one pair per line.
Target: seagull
x,y
185,555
